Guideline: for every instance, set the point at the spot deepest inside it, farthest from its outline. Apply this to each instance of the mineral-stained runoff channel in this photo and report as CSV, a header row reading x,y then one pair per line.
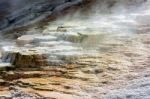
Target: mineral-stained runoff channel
x,y
106,57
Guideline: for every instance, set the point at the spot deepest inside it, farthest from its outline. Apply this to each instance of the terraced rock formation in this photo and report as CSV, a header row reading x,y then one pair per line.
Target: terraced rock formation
x,y
71,63
102,58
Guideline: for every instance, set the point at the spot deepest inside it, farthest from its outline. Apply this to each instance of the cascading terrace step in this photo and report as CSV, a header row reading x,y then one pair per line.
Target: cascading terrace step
x,y
51,49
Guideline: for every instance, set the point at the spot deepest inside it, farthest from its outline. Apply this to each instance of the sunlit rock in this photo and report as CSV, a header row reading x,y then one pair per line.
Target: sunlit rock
x,y
24,58
41,57
4,93
25,39
28,39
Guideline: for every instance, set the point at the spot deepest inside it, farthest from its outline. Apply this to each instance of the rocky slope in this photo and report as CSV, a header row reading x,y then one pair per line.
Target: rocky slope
x,y
103,57
55,68
17,13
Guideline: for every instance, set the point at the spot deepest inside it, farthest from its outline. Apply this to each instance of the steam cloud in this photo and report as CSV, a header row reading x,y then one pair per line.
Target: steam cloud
x,y
122,17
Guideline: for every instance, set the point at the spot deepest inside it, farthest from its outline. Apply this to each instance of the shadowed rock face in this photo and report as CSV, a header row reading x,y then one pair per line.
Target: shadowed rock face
x,y
3,9
19,12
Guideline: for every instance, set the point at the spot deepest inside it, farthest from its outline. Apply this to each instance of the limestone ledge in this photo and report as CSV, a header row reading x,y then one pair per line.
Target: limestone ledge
x,y
48,49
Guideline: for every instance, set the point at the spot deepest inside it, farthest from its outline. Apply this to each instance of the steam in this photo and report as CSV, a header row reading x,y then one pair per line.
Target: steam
x,y
104,21
106,17
106,13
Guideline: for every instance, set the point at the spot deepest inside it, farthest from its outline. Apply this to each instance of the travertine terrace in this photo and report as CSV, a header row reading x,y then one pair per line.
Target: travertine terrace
x,y
103,56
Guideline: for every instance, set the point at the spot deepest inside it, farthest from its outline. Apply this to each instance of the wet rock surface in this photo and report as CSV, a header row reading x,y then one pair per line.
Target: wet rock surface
x,y
79,61
41,50
51,66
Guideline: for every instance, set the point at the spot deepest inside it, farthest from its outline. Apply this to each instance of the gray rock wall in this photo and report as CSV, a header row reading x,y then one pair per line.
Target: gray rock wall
x,y
18,12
